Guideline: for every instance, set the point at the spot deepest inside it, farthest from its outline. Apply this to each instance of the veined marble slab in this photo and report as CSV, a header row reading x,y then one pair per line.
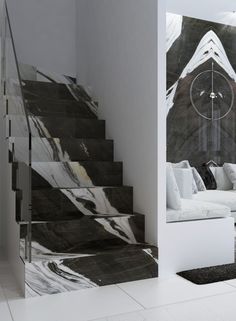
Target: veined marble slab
x,y
121,264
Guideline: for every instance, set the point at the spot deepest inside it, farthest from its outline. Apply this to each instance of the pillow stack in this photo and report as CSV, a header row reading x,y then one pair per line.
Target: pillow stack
x,y
182,181
197,182
230,170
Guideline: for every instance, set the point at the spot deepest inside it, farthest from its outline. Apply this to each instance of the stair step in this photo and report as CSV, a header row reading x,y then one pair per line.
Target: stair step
x,y
76,174
57,126
64,108
39,89
71,204
49,107
82,235
74,203
63,149
110,266
69,174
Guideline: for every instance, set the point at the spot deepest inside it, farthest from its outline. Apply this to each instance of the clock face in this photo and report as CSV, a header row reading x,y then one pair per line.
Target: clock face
x,y
211,95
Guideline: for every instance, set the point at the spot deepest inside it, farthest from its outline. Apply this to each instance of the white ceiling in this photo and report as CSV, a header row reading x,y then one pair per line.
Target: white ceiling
x,y
212,10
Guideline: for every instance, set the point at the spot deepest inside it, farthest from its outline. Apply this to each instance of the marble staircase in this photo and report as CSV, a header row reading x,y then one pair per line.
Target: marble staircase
x,y
84,229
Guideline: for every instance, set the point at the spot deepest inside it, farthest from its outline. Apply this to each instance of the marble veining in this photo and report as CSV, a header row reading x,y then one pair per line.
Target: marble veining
x,y
62,149
56,127
76,174
201,46
50,277
84,232
173,28
210,47
83,237
73,204
47,277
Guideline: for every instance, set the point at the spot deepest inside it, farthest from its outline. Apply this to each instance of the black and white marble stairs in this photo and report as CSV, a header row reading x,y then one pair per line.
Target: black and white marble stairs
x,y
84,229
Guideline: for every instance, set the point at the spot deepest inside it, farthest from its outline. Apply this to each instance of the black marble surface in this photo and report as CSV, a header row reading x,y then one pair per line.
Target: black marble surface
x,y
88,235
76,174
65,108
68,204
57,126
64,149
37,89
110,266
189,135
84,231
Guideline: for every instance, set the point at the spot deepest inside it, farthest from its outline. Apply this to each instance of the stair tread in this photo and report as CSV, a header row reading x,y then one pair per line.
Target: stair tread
x,y
77,219
84,235
97,251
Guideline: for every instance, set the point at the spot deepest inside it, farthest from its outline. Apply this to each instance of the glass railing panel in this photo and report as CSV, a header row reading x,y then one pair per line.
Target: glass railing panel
x,y
18,129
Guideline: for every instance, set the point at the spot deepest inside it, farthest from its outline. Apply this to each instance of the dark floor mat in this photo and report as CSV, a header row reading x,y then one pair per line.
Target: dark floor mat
x,y
211,274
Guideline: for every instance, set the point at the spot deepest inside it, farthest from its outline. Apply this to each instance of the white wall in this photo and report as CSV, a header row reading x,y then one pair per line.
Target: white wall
x,y
117,58
212,10
44,32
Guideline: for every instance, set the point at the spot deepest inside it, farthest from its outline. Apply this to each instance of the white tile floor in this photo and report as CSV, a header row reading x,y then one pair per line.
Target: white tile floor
x,y
174,299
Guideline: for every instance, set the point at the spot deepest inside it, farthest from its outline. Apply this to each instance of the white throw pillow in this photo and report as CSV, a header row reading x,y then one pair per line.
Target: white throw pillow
x,y
173,199
230,170
198,180
222,181
185,164
184,178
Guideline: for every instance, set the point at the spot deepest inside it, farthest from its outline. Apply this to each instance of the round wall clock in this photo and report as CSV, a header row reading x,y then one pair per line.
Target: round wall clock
x,y
212,95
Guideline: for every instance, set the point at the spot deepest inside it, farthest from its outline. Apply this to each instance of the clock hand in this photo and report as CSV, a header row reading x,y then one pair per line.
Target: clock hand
x,y
213,95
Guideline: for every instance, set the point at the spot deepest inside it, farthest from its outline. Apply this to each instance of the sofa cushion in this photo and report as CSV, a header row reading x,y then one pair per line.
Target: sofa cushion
x,y
184,178
185,164
227,198
195,210
230,170
173,199
222,181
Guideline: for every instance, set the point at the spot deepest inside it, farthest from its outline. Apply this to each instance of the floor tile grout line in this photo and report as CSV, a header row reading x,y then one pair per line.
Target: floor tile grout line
x,y
10,310
191,300
106,318
233,286
8,305
131,297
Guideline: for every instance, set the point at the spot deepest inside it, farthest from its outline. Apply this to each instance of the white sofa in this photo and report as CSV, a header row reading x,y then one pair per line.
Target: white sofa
x,y
197,210
201,232
224,195
206,204
218,197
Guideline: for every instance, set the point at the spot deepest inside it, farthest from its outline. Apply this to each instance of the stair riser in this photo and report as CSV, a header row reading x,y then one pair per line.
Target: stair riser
x,y
40,90
55,205
92,271
76,174
63,149
57,127
85,236
80,109
59,108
